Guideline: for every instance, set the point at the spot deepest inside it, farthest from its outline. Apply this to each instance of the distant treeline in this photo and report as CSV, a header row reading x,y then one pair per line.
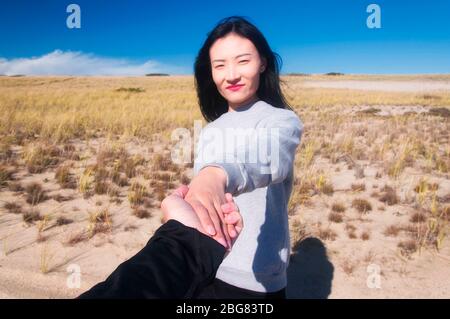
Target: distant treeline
x,y
308,74
157,74
132,90
149,74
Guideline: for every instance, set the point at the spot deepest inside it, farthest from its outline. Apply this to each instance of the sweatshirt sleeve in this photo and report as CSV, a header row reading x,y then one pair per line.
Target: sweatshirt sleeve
x,y
266,158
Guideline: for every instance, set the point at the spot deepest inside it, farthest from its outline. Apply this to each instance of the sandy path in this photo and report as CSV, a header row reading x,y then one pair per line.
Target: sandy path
x,y
391,86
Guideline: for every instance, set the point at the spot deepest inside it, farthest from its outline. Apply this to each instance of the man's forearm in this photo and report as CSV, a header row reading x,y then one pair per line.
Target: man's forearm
x,y
177,262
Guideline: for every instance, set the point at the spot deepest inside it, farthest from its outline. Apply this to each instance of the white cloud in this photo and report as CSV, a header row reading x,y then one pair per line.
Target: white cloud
x,y
78,63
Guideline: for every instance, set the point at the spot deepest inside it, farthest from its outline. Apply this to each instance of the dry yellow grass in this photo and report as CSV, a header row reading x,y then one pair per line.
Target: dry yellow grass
x,y
109,138
62,108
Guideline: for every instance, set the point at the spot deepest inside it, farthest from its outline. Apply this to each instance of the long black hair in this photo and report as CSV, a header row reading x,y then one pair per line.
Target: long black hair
x,y
212,103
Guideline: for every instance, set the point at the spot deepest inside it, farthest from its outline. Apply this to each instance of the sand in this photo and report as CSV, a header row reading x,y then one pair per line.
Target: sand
x,y
387,86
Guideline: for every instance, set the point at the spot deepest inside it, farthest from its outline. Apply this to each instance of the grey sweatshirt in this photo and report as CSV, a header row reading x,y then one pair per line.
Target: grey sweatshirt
x,y
255,145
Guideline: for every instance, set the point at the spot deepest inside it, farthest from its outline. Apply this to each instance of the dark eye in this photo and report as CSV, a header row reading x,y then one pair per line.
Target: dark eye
x,y
243,61
218,66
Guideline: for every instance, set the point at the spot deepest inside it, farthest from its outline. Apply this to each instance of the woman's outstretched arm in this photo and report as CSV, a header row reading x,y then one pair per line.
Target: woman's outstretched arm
x,y
215,176
272,150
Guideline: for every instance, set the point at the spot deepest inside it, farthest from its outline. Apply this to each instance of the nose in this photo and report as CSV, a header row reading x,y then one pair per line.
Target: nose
x,y
232,75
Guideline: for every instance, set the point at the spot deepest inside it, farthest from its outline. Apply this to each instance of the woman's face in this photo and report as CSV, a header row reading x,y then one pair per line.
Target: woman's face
x,y
236,67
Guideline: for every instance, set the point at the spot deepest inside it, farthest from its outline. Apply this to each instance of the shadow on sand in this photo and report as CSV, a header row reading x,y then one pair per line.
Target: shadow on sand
x,y
310,273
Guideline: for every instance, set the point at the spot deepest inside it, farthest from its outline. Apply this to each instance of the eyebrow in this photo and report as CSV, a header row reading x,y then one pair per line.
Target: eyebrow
x,y
238,56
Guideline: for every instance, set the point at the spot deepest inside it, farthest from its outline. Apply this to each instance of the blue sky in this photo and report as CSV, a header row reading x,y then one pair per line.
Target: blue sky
x,y
137,36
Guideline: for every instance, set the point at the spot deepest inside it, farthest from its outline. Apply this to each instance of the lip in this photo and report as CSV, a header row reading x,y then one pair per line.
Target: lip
x,y
234,87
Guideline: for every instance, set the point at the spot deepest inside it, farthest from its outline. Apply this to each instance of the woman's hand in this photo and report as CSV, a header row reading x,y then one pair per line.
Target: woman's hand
x,y
206,195
175,207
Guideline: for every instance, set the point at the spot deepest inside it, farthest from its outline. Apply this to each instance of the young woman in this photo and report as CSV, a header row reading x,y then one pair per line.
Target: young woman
x,y
248,150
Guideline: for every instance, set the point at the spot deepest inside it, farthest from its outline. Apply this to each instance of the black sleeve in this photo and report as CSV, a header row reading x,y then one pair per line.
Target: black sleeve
x,y
177,262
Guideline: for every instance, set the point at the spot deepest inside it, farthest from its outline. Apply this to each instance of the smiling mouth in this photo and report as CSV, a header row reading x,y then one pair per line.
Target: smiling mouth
x,y
234,87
